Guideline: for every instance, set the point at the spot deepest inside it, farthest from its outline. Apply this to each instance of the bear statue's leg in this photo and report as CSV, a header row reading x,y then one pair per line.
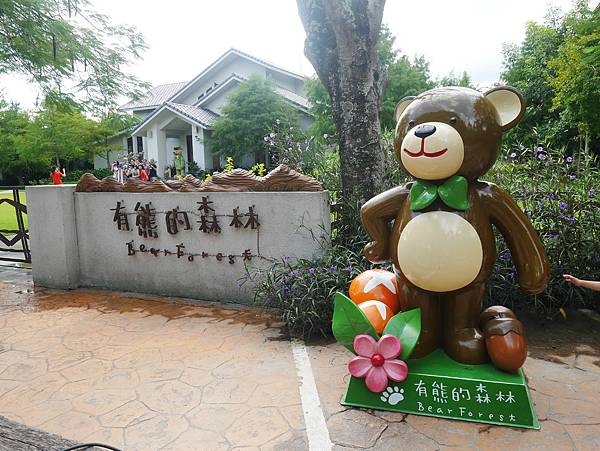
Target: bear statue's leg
x,y
431,318
463,341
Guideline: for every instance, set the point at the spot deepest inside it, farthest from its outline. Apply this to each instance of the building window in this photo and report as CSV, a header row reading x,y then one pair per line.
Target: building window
x,y
130,145
140,144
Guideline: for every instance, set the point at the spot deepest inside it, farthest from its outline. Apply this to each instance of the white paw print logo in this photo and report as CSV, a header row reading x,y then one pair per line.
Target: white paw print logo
x,y
392,395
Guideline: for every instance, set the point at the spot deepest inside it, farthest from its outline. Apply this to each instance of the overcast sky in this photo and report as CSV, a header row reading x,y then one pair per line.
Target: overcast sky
x,y
185,36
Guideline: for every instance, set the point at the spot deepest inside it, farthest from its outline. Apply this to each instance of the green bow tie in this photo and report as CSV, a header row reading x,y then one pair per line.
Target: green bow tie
x,y
453,193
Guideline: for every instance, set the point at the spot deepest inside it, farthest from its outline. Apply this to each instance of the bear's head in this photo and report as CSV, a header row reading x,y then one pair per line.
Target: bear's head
x,y
454,131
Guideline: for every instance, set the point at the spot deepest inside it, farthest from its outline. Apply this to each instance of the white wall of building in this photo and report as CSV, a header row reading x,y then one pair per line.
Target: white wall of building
x,y
198,146
287,82
119,144
240,66
143,114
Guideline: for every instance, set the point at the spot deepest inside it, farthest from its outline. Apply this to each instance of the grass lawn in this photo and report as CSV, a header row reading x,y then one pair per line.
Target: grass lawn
x,y
8,218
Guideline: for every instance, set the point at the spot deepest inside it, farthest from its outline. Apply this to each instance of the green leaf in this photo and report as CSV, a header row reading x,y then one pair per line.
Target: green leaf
x,y
406,326
349,321
422,194
454,192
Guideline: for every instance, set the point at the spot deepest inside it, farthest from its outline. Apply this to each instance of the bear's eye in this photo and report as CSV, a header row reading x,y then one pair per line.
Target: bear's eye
x,y
453,120
411,124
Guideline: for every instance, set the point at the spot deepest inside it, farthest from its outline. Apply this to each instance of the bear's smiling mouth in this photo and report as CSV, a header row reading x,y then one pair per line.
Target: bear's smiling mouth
x,y
426,154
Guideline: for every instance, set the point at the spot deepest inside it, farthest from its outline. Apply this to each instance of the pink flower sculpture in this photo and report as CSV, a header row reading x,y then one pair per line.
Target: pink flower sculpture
x,y
376,361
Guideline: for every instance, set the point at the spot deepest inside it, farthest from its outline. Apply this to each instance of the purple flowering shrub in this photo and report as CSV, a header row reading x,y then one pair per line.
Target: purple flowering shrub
x,y
560,193
315,156
303,290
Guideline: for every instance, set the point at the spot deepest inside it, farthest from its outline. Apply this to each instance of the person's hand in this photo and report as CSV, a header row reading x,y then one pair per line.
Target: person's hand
x,y
571,279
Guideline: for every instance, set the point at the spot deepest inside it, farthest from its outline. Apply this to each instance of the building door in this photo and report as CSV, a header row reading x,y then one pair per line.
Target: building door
x,y
190,148
216,161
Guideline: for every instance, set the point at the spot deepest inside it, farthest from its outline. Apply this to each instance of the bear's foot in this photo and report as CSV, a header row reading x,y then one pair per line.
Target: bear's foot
x,y
504,338
466,346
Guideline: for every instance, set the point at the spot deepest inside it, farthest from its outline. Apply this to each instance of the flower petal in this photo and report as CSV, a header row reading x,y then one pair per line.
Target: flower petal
x,y
389,347
359,366
396,370
364,345
376,379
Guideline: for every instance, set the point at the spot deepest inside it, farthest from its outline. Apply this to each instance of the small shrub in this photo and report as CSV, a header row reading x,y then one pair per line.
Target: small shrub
x,y
303,290
258,169
74,176
195,170
559,193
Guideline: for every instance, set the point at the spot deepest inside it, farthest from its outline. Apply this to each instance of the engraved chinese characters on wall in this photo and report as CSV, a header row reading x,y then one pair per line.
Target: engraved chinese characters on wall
x,y
210,221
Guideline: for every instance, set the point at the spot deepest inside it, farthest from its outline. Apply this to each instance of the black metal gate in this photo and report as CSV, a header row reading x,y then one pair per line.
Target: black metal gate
x,y
16,241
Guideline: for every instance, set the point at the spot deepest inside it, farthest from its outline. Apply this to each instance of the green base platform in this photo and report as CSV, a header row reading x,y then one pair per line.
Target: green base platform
x,y
438,386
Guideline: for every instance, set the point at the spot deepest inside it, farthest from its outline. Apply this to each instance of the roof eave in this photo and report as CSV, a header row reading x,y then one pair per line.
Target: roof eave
x,y
225,55
136,108
183,116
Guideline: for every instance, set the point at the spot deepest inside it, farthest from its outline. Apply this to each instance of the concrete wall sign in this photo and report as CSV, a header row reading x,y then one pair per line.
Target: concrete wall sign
x,y
190,244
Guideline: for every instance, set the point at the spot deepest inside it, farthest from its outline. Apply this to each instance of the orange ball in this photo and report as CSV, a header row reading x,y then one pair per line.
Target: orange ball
x,y
377,313
376,285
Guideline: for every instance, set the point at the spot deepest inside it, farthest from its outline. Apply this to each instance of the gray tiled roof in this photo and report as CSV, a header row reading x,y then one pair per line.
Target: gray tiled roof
x,y
155,97
292,97
198,114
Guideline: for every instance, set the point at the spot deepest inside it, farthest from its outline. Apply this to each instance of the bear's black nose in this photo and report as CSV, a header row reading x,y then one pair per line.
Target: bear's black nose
x,y
423,131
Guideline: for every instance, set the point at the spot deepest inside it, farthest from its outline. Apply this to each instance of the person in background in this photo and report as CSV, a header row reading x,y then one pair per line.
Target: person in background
x,y
115,169
591,284
143,173
120,174
152,174
57,176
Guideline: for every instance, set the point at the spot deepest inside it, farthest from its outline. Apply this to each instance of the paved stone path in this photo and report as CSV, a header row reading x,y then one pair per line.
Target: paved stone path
x,y
145,374
142,373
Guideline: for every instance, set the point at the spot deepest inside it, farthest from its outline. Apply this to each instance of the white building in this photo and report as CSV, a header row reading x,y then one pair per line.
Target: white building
x,y
181,114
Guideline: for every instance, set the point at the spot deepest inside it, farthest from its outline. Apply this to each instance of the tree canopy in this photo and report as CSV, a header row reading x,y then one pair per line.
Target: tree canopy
x,y
72,52
575,66
405,77
451,79
253,109
556,69
31,144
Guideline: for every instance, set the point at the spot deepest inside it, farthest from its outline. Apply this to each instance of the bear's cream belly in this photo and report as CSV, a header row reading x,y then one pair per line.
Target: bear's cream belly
x,y
440,251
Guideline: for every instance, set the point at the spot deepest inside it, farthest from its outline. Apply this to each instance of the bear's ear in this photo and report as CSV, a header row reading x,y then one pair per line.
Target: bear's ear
x,y
509,104
402,106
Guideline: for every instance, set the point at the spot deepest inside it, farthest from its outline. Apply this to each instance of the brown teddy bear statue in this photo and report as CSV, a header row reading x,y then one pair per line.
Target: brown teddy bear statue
x,y
441,240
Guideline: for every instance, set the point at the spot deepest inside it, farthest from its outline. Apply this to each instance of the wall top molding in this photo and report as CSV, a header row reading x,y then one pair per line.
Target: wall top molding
x,y
282,178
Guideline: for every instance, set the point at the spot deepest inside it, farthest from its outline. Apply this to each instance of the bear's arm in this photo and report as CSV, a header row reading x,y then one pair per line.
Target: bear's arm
x,y
522,239
375,216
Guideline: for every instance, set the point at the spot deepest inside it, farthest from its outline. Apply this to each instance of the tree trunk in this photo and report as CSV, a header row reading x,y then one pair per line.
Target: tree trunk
x,y
341,43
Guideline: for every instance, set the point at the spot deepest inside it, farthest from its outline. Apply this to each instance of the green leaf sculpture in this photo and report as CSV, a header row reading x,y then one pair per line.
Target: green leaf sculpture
x,y
349,321
406,326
